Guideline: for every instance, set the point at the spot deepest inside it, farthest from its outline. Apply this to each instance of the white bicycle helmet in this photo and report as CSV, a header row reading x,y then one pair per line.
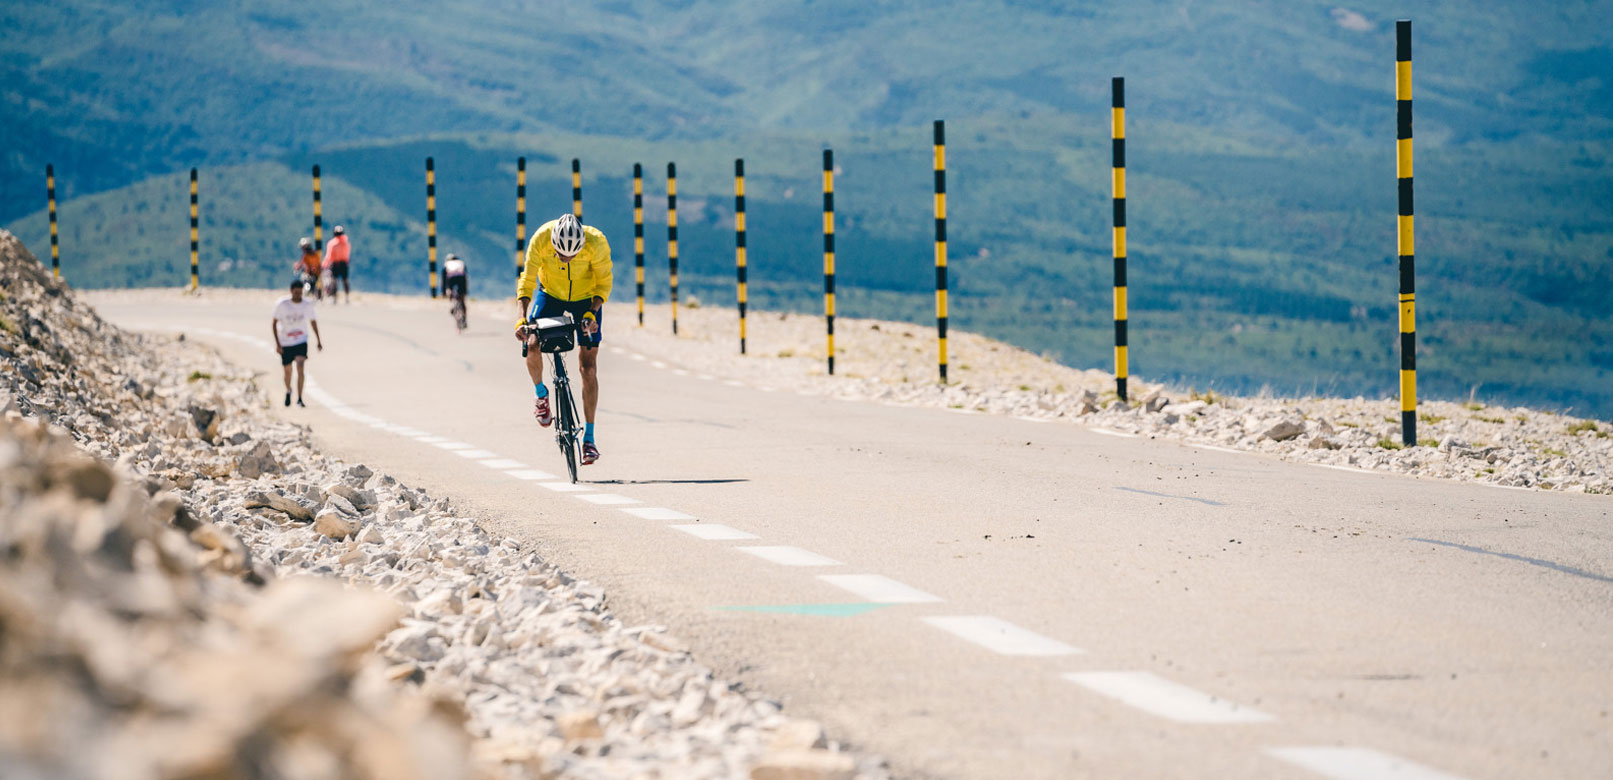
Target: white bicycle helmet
x,y
566,236
338,231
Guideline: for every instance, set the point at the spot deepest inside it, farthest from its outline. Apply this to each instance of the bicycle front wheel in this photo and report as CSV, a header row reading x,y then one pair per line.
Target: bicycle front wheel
x,y
566,429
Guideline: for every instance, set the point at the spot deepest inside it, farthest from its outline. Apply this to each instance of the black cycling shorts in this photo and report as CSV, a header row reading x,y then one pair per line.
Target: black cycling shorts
x,y
338,270
546,306
454,284
288,354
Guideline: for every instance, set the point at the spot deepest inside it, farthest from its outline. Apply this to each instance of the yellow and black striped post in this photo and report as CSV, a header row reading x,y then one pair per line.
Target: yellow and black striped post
x,y
1118,135
431,223
672,237
829,252
739,243
319,219
941,247
50,194
576,188
195,274
1407,240
638,237
520,216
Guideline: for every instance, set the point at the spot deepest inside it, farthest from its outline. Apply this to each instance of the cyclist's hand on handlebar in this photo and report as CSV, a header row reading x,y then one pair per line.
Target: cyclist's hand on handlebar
x,y
589,325
520,330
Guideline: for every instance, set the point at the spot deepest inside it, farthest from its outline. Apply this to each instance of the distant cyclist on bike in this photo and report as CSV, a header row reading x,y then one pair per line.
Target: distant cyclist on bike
x,y
455,282
568,265
309,265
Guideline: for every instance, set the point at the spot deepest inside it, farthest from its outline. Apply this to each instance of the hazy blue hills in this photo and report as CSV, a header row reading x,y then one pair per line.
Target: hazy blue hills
x,y
1260,140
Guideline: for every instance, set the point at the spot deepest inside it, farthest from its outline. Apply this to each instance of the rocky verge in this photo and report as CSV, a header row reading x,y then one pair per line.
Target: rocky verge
x,y
189,588
895,362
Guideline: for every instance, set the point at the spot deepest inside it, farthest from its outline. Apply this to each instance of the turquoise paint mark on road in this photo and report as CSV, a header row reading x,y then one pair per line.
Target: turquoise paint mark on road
x,y
816,610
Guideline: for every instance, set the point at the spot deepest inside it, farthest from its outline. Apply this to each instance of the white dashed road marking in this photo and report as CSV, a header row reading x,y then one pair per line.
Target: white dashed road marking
x,y
1350,763
999,636
455,445
503,463
565,487
658,513
880,590
713,532
529,474
1159,696
790,556
607,499
475,454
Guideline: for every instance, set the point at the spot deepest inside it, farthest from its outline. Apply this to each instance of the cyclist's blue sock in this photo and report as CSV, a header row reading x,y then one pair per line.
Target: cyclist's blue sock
x,y
588,432
542,390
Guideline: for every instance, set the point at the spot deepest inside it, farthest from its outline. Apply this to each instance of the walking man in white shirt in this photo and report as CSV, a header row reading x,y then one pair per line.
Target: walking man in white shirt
x,y
293,317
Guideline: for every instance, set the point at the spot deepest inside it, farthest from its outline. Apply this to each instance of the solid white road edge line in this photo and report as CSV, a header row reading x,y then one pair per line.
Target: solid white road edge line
x,y
713,532
999,636
1214,448
789,556
1355,763
1107,432
1159,696
878,589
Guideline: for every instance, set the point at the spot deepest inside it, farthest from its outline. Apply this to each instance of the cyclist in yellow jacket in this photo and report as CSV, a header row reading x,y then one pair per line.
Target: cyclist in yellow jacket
x,y
568,267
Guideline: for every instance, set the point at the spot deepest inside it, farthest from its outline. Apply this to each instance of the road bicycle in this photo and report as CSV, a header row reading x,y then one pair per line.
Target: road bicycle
x,y
557,336
457,310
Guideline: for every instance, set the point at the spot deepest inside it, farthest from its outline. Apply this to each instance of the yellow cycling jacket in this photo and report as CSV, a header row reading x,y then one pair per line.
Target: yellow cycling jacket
x,y
587,275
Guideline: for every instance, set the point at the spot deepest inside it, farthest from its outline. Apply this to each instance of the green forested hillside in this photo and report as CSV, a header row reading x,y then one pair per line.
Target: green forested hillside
x,y
1260,156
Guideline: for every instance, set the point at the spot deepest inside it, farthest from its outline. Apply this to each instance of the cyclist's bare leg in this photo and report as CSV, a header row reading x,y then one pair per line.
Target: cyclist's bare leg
x,y
534,363
287,367
588,360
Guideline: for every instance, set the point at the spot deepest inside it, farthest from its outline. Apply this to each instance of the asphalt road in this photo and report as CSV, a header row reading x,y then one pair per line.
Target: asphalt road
x,y
980,596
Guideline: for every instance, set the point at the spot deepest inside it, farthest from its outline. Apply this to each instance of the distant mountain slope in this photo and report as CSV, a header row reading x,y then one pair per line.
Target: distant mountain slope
x,y
127,90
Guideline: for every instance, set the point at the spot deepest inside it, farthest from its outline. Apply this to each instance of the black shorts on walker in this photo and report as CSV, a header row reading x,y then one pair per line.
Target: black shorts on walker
x,y
288,354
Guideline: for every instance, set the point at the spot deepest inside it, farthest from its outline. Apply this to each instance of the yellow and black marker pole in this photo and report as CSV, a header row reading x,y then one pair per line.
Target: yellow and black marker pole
x,y
739,243
576,188
941,247
672,237
50,194
319,219
520,216
1407,240
1118,136
829,252
638,237
195,274
431,223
